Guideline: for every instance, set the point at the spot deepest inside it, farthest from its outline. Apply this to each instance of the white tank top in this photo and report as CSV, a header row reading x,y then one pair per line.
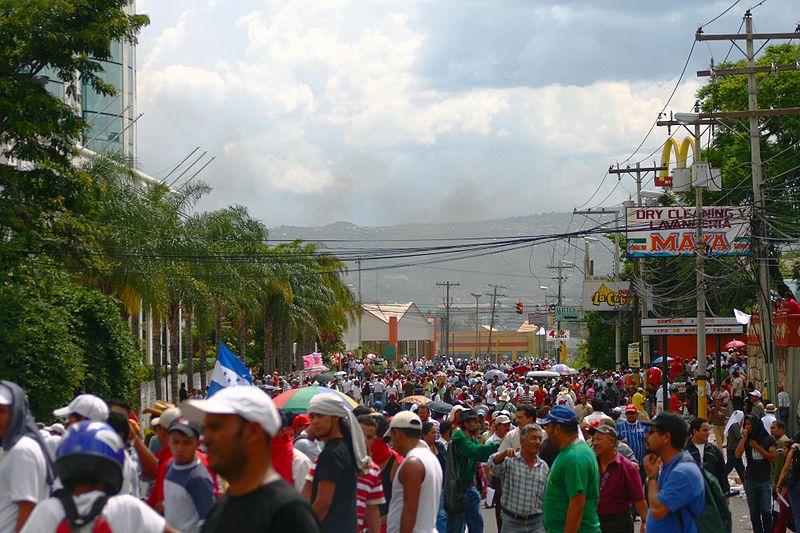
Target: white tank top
x,y
429,494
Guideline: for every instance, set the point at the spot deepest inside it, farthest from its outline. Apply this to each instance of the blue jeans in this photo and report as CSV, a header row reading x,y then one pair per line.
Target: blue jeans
x,y
512,525
793,494
441,516
759,500
471,517
783,415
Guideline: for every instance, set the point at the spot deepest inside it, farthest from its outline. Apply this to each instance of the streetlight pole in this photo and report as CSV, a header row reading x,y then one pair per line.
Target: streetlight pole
x,y
360,309
477,336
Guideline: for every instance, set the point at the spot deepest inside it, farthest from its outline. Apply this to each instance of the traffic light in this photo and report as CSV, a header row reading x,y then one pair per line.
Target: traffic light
x,y
520,307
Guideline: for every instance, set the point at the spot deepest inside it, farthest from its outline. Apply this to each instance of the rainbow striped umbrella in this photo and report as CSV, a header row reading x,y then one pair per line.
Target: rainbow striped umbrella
x,y
296,400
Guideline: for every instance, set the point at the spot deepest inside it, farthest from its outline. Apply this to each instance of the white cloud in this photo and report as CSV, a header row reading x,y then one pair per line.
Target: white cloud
x,y
330,107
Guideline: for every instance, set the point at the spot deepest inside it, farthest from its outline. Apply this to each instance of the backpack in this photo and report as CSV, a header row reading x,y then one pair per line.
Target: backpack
x,y
453,484
73,521
716,515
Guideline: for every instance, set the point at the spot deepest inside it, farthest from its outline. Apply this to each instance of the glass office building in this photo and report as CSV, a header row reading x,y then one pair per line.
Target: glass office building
x,y
111,127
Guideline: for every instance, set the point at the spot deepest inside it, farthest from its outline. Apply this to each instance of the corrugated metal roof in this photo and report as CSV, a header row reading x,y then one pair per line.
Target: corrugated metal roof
x,y
385,311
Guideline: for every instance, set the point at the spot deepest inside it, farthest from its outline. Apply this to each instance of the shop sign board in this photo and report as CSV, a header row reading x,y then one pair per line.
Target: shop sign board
x,y
599,295
669,231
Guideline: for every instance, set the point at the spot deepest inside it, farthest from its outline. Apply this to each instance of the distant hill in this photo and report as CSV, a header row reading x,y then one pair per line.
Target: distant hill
x,y
520,271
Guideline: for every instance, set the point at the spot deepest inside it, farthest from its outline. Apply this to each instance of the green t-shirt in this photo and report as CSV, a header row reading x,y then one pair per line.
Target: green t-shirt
x,y
574,471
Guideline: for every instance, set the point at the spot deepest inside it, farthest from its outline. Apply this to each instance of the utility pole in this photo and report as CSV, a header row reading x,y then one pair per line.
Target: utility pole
x,y
447,302
477,335
759,201
494,296
639,266
699,255
560,268
617,319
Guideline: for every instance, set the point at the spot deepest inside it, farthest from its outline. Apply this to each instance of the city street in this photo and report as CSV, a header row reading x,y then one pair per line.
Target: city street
x,y
741,517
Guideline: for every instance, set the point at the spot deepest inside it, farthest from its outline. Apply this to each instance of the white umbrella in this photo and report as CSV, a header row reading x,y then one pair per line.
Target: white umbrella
x,y
495,372
542,374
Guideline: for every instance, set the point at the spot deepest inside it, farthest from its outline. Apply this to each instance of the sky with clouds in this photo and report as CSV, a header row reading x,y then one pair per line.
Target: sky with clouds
x,y
389,111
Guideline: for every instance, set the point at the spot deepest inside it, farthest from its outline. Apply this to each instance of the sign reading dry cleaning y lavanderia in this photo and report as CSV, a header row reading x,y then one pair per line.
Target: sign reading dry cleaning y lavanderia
x,y
670,231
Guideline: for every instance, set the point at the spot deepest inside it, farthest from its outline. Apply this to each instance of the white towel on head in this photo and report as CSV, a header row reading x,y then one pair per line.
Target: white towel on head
x,y
332,405
736,418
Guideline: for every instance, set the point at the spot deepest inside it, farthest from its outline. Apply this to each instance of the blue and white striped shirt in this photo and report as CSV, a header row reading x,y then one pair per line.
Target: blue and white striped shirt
x,y
634,435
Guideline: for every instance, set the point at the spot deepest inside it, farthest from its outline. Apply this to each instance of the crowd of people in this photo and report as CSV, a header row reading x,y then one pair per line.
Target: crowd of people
x,y
427,447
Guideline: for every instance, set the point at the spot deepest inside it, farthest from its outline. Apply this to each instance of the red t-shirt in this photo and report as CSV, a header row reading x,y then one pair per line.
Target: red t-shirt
x,y
675,370
539,396
654,376
675,404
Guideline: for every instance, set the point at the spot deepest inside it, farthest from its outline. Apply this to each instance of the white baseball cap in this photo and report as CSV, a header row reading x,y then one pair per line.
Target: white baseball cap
x,y
6,398
404,420
166,418
250,403
88,406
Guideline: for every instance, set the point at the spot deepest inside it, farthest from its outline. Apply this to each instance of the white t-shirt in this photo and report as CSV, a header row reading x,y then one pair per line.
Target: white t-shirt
x,y
130,476
301,466
124,513
702,449
23,478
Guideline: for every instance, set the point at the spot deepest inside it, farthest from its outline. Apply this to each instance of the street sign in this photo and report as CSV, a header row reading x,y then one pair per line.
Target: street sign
x,y
554,335
569,313
634,355
692,330
690,321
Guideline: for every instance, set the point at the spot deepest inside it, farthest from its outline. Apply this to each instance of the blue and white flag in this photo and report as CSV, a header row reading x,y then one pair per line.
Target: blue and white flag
x,y
229,371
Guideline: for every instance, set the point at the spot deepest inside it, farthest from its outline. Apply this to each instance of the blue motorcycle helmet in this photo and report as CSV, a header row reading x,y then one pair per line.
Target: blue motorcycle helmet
x,y
90,452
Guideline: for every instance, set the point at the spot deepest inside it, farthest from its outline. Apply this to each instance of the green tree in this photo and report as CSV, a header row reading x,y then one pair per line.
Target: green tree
x,y
780,148
600,350
41,201
60,338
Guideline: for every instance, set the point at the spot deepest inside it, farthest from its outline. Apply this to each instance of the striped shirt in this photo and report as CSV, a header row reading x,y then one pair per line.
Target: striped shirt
x,y
523,487
634,436
369,491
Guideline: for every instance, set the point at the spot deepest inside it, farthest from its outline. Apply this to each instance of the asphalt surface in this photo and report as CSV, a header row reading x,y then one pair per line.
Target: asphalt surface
x,y
738,505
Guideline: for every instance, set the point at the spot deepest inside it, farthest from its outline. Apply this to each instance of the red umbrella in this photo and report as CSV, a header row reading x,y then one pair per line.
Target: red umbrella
x,y
522,368
735,344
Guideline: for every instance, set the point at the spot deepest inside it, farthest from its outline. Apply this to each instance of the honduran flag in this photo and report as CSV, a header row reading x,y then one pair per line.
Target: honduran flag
x,y
229,371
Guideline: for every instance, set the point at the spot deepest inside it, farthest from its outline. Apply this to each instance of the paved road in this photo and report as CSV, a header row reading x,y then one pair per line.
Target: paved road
x,y
738,504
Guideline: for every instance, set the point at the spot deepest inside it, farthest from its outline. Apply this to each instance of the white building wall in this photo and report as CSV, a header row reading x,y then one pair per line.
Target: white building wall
x,y
410,327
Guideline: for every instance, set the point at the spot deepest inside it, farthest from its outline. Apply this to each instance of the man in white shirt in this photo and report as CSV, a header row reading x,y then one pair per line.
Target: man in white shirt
x,y
378,390
769,416
597,412
417,486
25,471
